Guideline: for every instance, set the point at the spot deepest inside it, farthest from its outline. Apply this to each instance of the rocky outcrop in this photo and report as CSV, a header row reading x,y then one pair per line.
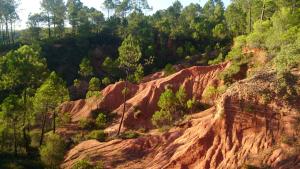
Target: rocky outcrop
x,y
244,128
143,97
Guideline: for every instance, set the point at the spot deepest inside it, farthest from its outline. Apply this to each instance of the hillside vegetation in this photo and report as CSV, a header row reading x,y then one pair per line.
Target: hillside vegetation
x,y
149,91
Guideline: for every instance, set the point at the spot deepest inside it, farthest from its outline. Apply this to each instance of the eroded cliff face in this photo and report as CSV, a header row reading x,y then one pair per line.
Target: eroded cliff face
x,y
143,97
243,128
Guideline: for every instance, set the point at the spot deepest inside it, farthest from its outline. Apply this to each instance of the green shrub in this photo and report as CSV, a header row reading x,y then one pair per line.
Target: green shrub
x,y
85,164
287,58
86,124
260,32
167,101
212,92
13,165
129,135
82,164
101,120
162,118
286,86
78,138
164,129
228,74
35,138
106,81
181,97
180,51
217,60
169,69
171,106
63,118
52,153
99,135
191,104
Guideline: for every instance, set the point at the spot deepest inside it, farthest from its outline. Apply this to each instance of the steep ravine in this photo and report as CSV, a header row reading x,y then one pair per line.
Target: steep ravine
x,y
241,129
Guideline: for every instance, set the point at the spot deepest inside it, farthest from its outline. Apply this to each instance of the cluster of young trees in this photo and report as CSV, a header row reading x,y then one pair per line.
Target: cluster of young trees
x,y
173,106
29,100
138,44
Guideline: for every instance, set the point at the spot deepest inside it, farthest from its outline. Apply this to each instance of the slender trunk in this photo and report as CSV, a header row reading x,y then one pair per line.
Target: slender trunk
x,y
43,127
263,11
25,126
15,139
107,13
11,32
7,32
250,19
293,6
124,105
54,115
49,26
54,25
2,33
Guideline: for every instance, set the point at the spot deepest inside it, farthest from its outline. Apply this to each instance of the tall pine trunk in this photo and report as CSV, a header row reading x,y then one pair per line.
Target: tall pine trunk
x,y
49,26
54,115
43,127
11,32
25,126
15,139
124,104
263,11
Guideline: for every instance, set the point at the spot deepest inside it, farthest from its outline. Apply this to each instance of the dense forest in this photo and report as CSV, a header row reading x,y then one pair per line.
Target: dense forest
x,y
70,51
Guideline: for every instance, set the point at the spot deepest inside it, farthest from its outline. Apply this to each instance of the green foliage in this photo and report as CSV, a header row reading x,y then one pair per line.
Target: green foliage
x,y
85,164
129,53
22,68
52,93
35,138
235,19
86,124
288,57
180,51
191,104
99,135
106,81
172,106
167,101
217,60
101,120
162,118
52,153
76,83
85,68
110,65
94,84
220,31
129,135
181,97
169,69
212,92
82,164
63,118
96,94
286,86
260,32
138,74
228,75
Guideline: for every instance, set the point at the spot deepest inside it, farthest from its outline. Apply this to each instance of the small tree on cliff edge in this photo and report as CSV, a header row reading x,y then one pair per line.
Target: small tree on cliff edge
x,y
129,57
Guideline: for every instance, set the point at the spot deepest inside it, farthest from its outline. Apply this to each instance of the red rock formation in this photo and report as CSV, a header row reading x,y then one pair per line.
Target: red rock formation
x,y
241,129
143,97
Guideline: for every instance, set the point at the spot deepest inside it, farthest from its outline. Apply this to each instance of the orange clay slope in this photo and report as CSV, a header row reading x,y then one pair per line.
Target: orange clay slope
x,y
242,129
143,97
